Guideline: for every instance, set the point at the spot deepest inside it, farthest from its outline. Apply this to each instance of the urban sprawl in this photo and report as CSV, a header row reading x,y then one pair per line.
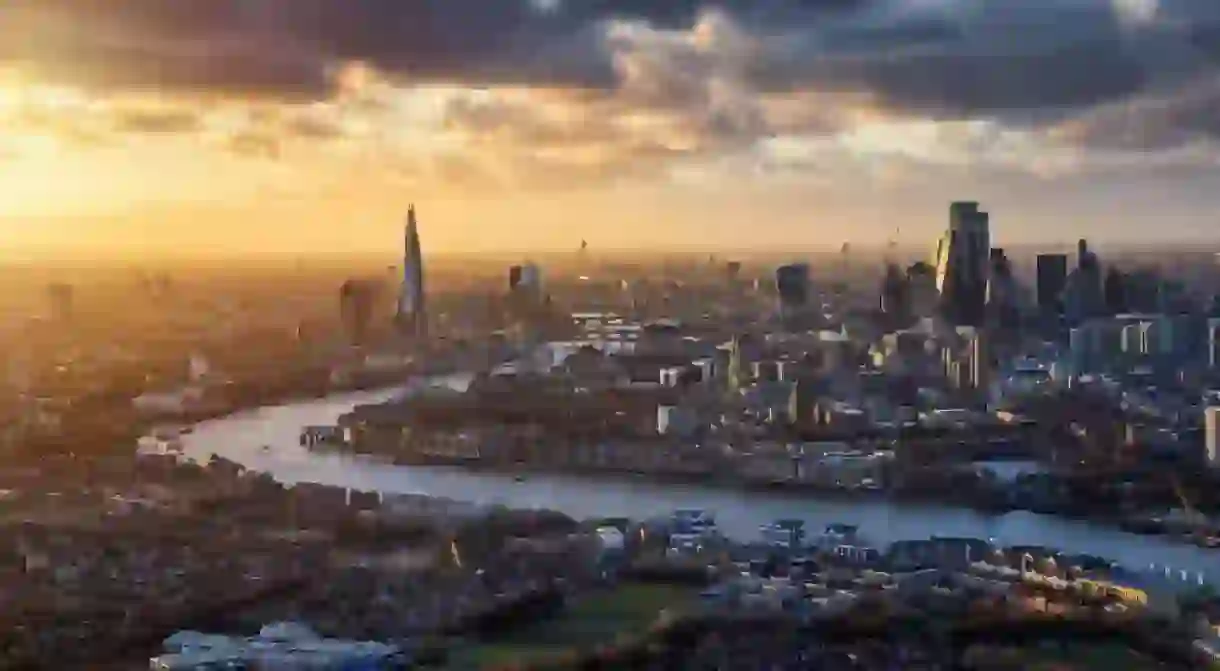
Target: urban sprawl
x,y
588,460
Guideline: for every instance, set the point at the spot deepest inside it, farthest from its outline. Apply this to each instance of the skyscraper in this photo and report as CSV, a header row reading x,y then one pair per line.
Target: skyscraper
x,y
732,273
895,303
1213,343
922,295
61,296
792,284
531,280
1114,291
980,362
1211,430
1085,257
525,284
356,309
737,363
962,264
1002,308
1052,280
1083,297
412,309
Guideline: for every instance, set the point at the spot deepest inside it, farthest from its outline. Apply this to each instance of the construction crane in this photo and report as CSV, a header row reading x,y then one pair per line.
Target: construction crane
x,y
1198,522
1191,513
891,245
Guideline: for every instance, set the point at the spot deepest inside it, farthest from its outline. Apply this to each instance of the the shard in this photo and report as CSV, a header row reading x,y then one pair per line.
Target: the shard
x,y
412,310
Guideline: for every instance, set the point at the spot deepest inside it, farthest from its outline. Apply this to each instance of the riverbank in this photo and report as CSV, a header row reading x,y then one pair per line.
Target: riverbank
x,y
981,502
251,396
267,440
522,471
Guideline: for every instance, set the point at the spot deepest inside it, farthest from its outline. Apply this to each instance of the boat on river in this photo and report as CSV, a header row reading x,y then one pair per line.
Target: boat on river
x,y
784,533
693,521
839,534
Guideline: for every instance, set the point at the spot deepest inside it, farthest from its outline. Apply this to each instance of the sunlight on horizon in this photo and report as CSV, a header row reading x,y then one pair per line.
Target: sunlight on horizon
x,y
683,147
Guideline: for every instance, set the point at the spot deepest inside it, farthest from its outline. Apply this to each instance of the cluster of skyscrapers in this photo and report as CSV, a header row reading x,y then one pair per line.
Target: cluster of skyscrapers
x,y
961,264
525,296
1110,321
968,283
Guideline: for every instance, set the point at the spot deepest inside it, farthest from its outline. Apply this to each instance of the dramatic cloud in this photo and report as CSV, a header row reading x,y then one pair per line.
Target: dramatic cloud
x,y
582,91
1156,121
947,55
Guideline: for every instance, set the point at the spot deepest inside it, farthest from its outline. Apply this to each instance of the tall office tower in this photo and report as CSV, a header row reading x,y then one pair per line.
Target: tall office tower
x,y
922,296
1114,292
1002,308
801,400
1213,343
1211,425
1052,280
962,264
525,280
62,300
356,309
980,361
737,363
1085,257
531,279
1083,297
894,300
412,309
732,273
792,285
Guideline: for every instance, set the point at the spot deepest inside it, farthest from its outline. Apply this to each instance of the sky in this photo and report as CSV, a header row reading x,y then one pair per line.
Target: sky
x,y
296,126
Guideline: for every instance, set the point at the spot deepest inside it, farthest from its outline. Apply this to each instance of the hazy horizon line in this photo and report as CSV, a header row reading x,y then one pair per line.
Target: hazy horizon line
x,y
58,256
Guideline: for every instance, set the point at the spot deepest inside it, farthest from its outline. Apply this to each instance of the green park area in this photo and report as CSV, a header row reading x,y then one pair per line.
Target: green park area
x,y
596,618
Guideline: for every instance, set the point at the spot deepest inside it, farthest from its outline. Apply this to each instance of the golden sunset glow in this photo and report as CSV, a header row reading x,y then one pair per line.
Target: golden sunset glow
x,y
687,137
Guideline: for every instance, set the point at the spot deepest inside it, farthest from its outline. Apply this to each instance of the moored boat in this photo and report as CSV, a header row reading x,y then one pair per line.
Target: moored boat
x,y
691,521
784,533
839,534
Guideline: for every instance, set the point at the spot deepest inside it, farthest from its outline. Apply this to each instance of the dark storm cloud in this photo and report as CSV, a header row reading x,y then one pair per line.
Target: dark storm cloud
x,y
286,46
1025,61
1176,119
1035,61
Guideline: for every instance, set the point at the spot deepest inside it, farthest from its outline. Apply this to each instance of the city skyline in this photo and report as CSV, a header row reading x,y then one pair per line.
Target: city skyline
x,y
306,127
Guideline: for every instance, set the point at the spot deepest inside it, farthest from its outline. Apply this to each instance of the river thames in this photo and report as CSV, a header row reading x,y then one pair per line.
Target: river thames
x,y
267,440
